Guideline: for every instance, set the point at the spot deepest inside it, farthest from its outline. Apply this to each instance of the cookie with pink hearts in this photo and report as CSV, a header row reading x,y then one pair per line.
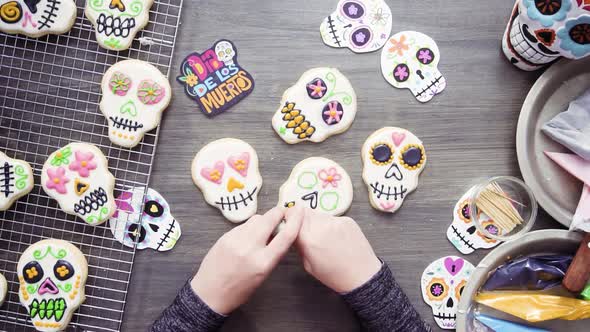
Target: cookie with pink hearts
x,y
227,173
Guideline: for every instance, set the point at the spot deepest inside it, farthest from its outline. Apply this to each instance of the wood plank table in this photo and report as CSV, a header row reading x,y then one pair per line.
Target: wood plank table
x,y
468,131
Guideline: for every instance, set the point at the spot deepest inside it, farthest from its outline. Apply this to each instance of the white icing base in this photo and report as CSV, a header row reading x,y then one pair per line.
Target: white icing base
x,y
61,12
20,175
3,289
308,186
219,152
146,116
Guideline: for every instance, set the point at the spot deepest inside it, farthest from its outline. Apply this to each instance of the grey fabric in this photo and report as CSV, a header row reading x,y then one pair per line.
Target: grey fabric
x,y
572,127
380,305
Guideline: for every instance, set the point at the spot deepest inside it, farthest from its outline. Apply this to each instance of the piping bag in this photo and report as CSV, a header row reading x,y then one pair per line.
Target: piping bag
x,y
504,325
529,273
536,307
586,293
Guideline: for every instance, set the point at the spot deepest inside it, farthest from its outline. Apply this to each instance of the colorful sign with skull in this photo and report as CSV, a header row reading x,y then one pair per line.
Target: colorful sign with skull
x,y
410,61
144,221
116,22
360,25
463,233
36,18
134,96
443,283
540,32
393,159
52,276
321,104
77,176
227,173
320,184
214,79
16,180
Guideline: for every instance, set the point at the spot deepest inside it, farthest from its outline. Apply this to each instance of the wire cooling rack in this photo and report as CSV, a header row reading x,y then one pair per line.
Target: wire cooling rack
x,y
49,95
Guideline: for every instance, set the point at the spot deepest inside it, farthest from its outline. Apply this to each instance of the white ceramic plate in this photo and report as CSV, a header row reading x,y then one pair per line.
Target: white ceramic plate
x,y
555,190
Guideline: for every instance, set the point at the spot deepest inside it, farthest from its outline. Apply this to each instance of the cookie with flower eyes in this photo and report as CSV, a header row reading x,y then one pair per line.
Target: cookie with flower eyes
x,y
52,276
78,177
320,184
227,173
134,96
393,159
16,180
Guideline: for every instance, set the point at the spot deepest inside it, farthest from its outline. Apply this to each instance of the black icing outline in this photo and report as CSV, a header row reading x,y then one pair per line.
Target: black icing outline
x,y
92,202
235,201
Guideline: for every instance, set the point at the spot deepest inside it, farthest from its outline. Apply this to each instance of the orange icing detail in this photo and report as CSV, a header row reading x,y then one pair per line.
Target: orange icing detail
x,y
84,163
330,178
32,272
47,324
240,164
215,175
63,271
23,289
59,154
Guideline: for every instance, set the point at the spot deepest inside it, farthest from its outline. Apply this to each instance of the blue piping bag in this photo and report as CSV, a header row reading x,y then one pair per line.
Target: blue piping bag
x,y
504,325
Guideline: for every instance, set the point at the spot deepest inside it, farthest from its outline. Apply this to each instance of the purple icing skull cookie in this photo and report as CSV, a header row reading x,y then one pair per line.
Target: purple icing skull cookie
x,y
393,159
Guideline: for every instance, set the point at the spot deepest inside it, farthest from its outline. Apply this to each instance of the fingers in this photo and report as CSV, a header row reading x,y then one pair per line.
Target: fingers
x,y
263,226
281,243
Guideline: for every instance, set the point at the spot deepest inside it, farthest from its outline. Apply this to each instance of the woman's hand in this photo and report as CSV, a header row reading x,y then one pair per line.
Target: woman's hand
x,y
335,251
243,258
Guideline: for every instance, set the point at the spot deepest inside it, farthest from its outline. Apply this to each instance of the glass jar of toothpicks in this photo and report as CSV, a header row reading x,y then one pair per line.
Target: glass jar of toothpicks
x,y
505,202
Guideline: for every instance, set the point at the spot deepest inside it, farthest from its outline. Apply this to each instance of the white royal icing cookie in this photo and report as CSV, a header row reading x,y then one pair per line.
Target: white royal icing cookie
x,y
321,104
77,176
36,18
318,183
227,173
16,180
393,159
116,22
360,25
463,233
52,276
3,289
134,96
157,229
410,61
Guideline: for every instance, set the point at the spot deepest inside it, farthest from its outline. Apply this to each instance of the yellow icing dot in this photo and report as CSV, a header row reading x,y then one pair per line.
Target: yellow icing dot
x,y
330,178
84,163
59,154
56,180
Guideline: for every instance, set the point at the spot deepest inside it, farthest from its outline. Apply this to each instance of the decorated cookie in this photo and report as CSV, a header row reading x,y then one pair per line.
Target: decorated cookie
x,y
144,222
318,183
393,159
36,18
360,25
410,61
214,79
16,180
443,282
3,289
52,276
116,22
464,235
134,96
321,104
227,173
77,176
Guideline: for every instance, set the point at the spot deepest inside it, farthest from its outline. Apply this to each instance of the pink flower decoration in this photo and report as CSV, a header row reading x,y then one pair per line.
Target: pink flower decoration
x,y
317,89
401,72
333,113
57,180
329,177
425,56
83,164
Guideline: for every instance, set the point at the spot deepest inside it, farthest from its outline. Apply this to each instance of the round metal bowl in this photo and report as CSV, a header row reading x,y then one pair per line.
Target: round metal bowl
x,y
540,242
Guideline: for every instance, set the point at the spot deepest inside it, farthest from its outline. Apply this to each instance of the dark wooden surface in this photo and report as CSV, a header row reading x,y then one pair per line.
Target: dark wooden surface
x,y
468,131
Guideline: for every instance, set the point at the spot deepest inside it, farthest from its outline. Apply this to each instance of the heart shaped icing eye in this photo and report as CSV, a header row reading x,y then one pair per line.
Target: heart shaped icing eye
x,y
240,163
214,174
412,156
153,209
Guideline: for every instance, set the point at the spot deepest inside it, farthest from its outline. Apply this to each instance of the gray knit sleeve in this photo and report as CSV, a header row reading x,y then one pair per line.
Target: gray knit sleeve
x,y
188,313
382,306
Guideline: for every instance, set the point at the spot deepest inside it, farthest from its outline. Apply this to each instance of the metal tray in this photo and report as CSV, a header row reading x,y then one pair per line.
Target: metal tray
x,y
555,190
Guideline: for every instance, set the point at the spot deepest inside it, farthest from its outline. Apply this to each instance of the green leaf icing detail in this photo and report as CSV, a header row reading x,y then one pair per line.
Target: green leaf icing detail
x,y
92,219
66,288
21,181
38,254
346,99
66,153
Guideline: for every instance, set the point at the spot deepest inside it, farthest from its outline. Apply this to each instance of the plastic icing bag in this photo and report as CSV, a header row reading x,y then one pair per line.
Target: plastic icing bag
x,y
529,273
586,293
534,307
505,326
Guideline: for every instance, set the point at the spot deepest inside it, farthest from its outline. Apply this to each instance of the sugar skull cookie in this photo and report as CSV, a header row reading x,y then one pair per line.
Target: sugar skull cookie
x,y
77,176
227,173
443,282
134,96
3,289
16,180
116,22
36,18
320,184
360,25
321,104
462,232
410,61
144,222
52,276
393,159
